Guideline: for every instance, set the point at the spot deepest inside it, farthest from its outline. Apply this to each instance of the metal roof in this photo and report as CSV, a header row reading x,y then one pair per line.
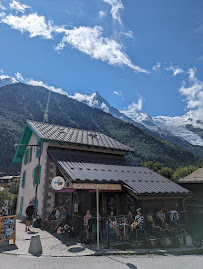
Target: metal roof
x,y
140,180
86,156
195,177
46,131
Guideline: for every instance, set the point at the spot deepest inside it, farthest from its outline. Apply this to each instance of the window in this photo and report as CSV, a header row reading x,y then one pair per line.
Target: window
x,y
26,158
21,206
30,157
23,179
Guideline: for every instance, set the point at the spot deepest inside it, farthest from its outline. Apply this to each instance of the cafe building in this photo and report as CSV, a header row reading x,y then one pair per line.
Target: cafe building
x,y
63,166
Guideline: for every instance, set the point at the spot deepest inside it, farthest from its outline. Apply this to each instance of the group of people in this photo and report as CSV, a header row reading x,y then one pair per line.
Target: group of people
x,y
115,224
149,221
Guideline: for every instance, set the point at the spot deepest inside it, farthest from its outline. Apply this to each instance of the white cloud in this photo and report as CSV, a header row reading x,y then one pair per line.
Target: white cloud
x,y
134,107
34,24
18,6
193,94
42,84
33,82
5,79
128,34
118,93
19,76
104,107
86,39
2,7
90,41
175,69
88,98
116,7
102,14
156,67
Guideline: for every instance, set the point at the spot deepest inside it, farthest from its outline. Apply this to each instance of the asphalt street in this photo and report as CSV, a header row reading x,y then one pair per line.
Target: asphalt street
x,y
104,262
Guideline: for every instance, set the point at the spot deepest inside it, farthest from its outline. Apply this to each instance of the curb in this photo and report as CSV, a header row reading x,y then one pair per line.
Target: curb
x,y
161,252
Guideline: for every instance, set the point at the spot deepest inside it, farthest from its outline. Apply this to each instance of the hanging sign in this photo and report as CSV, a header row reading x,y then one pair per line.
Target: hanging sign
x,y
93,186
58,183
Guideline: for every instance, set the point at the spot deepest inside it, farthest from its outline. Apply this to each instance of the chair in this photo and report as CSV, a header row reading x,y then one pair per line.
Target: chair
x,y
142,230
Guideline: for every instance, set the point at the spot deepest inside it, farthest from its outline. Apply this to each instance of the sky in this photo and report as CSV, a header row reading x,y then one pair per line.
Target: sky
x,y
140,55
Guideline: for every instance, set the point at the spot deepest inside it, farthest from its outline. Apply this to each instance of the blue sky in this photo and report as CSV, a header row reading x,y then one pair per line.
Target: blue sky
x,y
141,55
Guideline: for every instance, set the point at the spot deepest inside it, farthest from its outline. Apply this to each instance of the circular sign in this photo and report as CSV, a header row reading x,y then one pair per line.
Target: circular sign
x,y
58,183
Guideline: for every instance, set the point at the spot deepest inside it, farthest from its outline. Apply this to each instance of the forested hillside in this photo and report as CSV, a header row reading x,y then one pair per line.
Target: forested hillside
x,y
20,102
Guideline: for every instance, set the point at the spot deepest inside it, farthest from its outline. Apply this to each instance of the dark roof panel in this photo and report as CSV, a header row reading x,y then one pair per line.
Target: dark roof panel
x,y
140,180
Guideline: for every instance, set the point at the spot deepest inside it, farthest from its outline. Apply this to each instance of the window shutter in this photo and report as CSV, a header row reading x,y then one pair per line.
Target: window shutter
x,y
30,157
21,206
39,175
34,176
23,179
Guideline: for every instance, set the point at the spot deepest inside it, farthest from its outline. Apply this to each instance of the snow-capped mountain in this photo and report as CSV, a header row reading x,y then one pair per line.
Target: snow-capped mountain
x,y
171,127
6,80
95,100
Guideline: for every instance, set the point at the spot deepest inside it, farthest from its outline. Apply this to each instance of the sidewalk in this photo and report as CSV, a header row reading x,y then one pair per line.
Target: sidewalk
x,y
53,247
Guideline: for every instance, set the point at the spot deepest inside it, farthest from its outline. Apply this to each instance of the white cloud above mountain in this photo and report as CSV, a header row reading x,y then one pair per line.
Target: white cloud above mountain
x,y
91,42
116,7
193,93
34,24
18,6
33,82
119,93
134,107
88,40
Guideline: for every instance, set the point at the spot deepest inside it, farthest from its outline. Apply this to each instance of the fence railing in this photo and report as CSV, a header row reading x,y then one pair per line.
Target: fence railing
x,y
121,228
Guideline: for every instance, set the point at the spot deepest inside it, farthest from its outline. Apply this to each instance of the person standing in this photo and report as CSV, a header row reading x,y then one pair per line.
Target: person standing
x,y
29,213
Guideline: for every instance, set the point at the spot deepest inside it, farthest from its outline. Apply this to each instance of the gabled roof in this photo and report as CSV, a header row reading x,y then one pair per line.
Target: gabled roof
x,y
63,134
139,180
52,132
195,177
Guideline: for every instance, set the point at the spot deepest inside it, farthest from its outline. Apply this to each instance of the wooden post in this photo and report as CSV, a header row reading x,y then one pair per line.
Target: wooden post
x,y
14,239
0,228
97,199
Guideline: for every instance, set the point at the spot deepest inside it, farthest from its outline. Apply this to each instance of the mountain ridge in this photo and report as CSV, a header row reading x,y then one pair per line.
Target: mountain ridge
x,y
20,102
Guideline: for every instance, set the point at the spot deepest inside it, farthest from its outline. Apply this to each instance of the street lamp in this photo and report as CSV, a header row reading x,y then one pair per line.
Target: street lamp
x,y
38,169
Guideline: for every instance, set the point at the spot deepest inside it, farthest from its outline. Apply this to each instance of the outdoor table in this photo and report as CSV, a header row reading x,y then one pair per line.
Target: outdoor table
x,y
124,227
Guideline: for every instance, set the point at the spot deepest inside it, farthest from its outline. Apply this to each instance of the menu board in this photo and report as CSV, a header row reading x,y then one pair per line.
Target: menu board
x,y
7,227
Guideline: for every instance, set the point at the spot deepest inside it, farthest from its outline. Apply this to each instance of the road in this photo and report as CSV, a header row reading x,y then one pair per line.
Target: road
x,y
104,262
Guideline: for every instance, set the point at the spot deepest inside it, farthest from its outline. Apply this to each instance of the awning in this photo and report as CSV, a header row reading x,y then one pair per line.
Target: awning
x,y
141,180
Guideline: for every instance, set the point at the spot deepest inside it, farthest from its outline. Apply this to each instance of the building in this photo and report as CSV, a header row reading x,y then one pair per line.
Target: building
x,y
87,160
194,183
7,179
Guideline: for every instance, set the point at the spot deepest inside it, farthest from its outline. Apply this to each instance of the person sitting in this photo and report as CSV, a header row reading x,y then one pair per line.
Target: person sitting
x,y
150,223
113,224
4,213
52,216
128,220
138,223
160,218
86,219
